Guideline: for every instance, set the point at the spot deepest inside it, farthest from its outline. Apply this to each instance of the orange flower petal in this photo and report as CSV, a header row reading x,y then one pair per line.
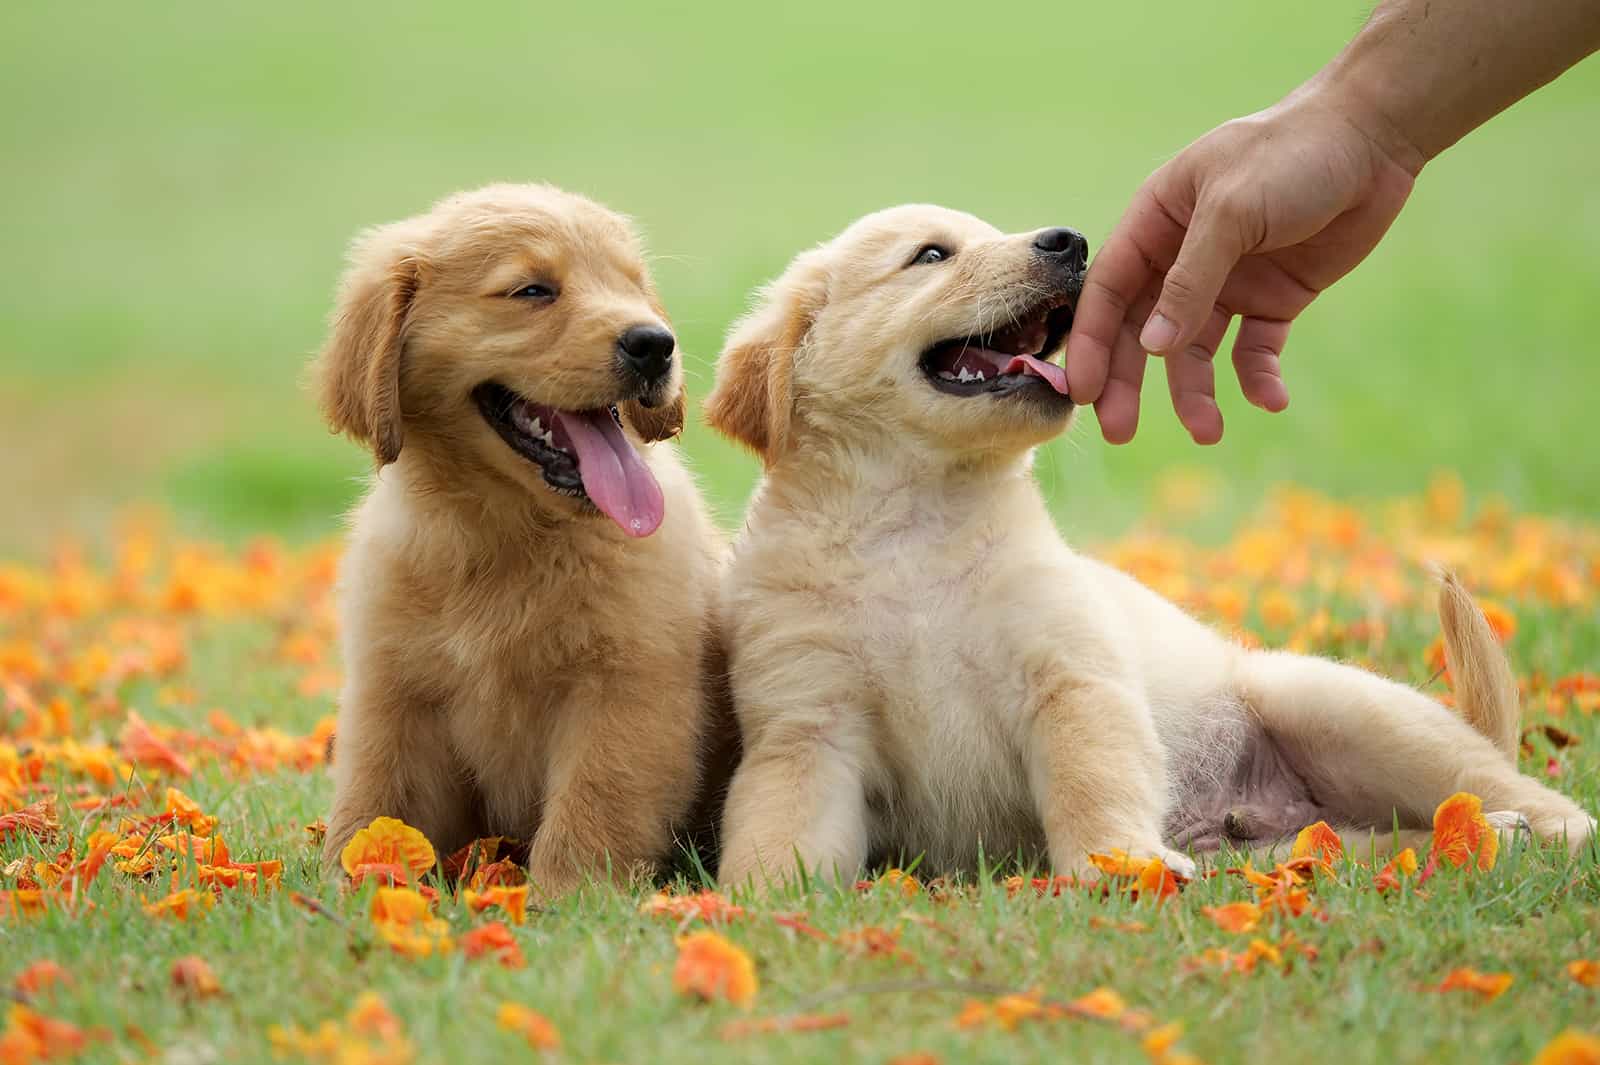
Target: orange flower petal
x,y
1571,1047
875,942
1119,863
180,904
1488,985
42,1038
207,850
400,905
1402,864
528,1023
193,977
796,922
37,819
1156,881
141,746
1461,832
1235,916
185,811
707,906
1585,972
1102,1003
371,1016
513,901
1318,841
41,976
388,841
494,938
713,968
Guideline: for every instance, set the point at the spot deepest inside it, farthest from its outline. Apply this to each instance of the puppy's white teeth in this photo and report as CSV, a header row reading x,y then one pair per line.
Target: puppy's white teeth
x,y
537,427
965,375
979,376
546,437
946,375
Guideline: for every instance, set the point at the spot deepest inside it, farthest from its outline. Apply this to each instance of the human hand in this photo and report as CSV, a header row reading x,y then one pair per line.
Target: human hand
x,y
1252,220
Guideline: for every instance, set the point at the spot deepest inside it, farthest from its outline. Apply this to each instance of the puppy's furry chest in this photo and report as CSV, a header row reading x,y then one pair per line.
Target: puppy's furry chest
x,y
511,663
951,715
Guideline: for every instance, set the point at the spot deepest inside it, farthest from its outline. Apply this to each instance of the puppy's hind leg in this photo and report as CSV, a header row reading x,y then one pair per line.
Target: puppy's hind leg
x,y
1377,752
797,801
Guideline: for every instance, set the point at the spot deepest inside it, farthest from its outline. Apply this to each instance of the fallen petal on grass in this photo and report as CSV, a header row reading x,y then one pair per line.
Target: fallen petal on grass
x,y
40,977
1235,916
1462,837
496,939
529,1023
1571,1047
1585,971
388,841
1488,986
193,978
712,968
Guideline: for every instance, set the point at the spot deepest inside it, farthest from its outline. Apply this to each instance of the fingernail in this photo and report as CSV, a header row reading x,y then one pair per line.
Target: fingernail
x,y
1159,333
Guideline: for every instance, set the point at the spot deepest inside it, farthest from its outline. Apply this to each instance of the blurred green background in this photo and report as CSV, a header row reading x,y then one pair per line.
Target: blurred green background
x,y
180,180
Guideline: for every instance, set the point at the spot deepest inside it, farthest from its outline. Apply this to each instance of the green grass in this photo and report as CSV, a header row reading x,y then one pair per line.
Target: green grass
x,y
601,971
181,182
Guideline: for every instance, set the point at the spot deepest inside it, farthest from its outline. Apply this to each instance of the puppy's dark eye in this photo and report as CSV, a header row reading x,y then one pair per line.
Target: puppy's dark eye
x,y
542,293
929,253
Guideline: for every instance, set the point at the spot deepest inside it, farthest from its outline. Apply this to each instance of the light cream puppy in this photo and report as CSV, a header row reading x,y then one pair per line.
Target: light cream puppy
x,y
526,596
921,666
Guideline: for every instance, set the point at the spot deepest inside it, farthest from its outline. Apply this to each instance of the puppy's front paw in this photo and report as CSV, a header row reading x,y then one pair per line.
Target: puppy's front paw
x,y
1178,862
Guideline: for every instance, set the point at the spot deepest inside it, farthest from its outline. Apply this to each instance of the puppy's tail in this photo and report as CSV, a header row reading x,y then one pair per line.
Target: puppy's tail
x,y
1486,692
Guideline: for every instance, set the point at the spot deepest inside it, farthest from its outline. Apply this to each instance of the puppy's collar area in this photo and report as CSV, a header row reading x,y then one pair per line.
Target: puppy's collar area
x,y
999,361
581,454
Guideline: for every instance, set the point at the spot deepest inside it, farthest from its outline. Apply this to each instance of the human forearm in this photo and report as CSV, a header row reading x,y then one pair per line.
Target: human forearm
x,y
1422,74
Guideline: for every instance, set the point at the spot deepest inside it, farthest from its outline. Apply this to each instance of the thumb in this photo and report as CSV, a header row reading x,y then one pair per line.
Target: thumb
x,y
1211,248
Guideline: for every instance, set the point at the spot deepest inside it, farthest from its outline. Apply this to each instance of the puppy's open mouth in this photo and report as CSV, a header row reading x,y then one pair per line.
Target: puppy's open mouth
x,y
1005,360
583,454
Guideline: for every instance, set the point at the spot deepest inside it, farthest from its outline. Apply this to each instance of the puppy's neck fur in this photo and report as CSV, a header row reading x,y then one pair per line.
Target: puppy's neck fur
x,y
486,509
870,490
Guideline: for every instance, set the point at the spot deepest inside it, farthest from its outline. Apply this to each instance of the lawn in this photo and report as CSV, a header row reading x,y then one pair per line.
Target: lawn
x,y
177,664
181,180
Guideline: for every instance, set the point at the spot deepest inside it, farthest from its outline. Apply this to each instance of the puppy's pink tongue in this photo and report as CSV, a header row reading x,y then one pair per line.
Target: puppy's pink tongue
x,y
1054,376
614,475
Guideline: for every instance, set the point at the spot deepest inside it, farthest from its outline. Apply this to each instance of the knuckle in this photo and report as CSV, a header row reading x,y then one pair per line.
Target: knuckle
x,y
1098,291
1182,285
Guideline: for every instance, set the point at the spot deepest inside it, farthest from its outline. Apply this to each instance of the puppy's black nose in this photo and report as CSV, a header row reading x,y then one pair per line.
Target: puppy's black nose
x,y
1067,245
647,350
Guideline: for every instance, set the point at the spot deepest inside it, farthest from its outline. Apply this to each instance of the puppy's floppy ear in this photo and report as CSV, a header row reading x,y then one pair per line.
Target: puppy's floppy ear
x,y
754,395
656,423
358,371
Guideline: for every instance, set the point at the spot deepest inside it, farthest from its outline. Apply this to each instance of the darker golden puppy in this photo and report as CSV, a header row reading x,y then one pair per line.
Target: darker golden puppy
x,y
526,597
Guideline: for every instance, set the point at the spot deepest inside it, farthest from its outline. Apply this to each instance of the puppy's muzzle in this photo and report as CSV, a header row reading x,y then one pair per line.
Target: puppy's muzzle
x,y
644,353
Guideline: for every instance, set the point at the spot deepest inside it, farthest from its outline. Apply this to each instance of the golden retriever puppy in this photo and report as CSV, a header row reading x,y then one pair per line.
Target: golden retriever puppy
x,y
526,594
921,666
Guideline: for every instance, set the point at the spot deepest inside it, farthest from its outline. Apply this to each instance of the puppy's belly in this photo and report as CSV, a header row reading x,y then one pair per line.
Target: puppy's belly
x,y
1229,780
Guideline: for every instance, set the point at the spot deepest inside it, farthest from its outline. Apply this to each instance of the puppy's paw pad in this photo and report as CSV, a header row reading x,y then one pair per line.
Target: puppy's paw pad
x,y
1509,822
